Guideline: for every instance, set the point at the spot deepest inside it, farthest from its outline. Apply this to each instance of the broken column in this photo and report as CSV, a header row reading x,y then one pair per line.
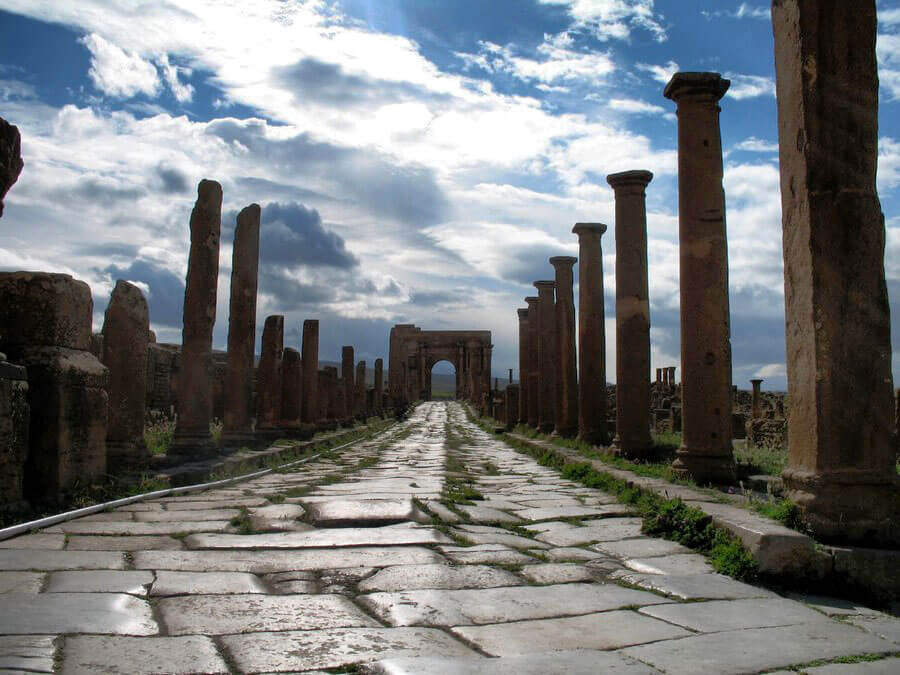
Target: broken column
x,y
192,436
45,326
349,381
309,399
566,408
841,465
10,158
237,429
591,335
671,376
291,389
512,405
632,314
547,360
361,391
522,412
532,379
268,377
705,453
126,330
379,386
756,404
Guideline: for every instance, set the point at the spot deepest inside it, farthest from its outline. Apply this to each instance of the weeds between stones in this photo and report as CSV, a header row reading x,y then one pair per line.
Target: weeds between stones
x,y
242,522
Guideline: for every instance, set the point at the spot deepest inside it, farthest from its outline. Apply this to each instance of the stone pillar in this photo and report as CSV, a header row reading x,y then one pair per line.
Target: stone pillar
x,y
10,158
532,380
671,376
361,390
379,386
237,429
347,361
509,380
632,314
566,356
547,359
45,326
291,389
841,465
705,453
309,405
333,411
756,406
192,436
268,376
340,396
126,329
522,413
592,426
512,405
658,378
14,416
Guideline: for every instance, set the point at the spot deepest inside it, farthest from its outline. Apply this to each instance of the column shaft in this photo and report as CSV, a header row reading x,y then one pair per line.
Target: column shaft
x,y
547,360
566,409
309,405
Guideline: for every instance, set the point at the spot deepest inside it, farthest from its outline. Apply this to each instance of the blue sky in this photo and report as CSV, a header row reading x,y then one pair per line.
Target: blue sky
x,y
417,161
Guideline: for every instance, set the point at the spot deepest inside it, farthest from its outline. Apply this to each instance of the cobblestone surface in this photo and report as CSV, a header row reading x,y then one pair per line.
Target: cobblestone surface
x,y
430,548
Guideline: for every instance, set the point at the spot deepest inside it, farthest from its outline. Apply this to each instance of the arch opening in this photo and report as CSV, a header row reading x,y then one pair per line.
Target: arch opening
x,y
441,384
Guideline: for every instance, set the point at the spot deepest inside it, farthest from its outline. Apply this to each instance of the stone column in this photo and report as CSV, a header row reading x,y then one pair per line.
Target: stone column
x,y
192,436
705,453
632,314
126,329
347,361
361,390
14,416
45,326
512,405
291,389
268,377
547,359
510,378
566,355
591,336
522,412
532,379
309,405
237,430
334,412
841,465
379,385
671,376
658,378
756,406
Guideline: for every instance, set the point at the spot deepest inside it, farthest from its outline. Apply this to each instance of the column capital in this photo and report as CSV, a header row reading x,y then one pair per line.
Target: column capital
x,y
637,178
696,85
532,300
589,228
523,313
756,381
545,285
563,261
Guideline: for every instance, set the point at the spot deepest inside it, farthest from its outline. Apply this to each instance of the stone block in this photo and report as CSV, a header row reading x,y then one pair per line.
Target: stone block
x,y
14,417
39,308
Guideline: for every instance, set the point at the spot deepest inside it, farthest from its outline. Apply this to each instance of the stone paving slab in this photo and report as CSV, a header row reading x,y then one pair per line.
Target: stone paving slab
x,y
758,649
89,542
642,547
577,662
224,614
12,559
109,517
21,582
99,581
364,512
262,562
178,516
680,563
487,514
389,535
205,583
38,540
570,554
889,666
140,655
305,650
486,554
495,605
209,501
887,627
414,577
43,613
557,573
442,512
178,527
608,529
607,630
26,653
557,512
481,534
694,586
723,615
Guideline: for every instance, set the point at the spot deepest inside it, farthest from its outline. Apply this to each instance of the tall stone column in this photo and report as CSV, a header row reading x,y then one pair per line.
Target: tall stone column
x,y
566,355
361,390
268,377
291,389
756,405
238,392
705,453
547,359
309,405
632,314
522,412
591,335
126,331
379,386
349,382
192,436
512,405
532,378
840,421
671,376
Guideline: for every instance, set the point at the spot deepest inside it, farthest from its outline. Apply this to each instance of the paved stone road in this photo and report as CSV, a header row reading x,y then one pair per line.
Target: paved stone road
x,y
354,559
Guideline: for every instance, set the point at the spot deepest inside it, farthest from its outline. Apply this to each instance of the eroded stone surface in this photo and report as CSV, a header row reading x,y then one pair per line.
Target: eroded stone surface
x,y
99,581
138,655
20,582
722,615
205,583
580,662
364,512
12,559
26,653
113,613
409,577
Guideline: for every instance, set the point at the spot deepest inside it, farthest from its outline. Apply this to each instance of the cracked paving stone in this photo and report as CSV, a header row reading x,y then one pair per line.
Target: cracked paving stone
x,y
205,583
411,577
607,630
693,586
183,504
758,649
11,559
390,535
442,512
483,534
123,543
722,615
109,517
280,517
116,613
495,605
487,514
306,650
570,554
21,582
365,512
224,614
26,653
576,662
141,655
486,554
99,581
557,573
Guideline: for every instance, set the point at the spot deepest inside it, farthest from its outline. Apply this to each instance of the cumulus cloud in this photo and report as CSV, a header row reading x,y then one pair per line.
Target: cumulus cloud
x,y
749,86
661,74
183,93
614,19
118,72
635,107
753,144
165,289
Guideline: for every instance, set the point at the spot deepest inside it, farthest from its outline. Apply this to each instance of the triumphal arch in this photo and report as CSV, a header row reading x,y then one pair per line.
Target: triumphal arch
x,y
413,353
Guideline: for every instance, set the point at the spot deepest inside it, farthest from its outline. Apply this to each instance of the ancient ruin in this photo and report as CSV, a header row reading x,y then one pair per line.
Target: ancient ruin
x,y
291,391
566,392
309,404
11,163
546,355
268,376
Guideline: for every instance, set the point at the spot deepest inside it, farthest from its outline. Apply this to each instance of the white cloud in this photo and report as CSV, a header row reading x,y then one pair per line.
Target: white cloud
x,y
754,144
771,370
888,53
117,72
661,74
635,107
749,86
889,17
752,12
888,163
614,19
183,93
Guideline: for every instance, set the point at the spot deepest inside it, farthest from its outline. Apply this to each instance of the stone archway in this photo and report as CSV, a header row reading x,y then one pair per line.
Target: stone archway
x,y
413,352
430,375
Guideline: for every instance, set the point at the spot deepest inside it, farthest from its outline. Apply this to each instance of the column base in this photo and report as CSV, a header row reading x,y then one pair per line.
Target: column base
x,y
193,445
545,428
125,455
593,437
716,469
631,449
239,438
851,506
565,433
